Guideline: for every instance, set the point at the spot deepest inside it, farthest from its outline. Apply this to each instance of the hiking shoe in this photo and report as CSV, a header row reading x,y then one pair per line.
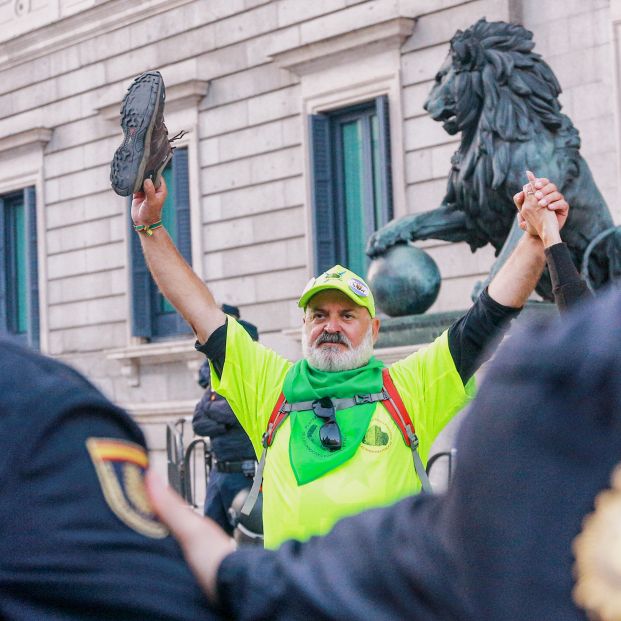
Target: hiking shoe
x,y
146,149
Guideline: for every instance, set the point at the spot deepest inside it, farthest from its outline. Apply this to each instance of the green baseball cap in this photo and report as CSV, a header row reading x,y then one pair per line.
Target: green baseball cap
x,y
346,281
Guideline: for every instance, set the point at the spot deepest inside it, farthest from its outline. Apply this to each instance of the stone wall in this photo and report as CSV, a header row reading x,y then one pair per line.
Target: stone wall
x,y
242,75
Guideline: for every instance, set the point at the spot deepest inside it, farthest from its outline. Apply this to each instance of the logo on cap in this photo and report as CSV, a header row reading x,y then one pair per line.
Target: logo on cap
x,y
358,287
333,275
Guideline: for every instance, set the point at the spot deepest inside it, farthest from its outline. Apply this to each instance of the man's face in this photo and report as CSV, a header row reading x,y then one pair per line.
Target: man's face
x,y
339,334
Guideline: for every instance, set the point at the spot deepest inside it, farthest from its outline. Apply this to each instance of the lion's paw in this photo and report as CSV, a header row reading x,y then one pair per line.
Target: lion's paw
x,y
382,240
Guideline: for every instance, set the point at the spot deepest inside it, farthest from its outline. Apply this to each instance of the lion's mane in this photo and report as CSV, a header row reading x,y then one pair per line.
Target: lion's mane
x,y
504,94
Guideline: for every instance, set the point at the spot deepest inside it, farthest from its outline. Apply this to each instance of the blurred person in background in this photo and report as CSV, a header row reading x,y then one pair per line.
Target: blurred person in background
x,y
233,460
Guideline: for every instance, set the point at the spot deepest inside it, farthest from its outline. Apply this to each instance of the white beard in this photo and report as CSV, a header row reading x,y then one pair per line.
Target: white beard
x,y
334,358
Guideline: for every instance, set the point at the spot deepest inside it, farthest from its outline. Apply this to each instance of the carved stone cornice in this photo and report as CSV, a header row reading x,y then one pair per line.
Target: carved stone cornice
x,y
105,16
161,411
36,137
131,358
336,49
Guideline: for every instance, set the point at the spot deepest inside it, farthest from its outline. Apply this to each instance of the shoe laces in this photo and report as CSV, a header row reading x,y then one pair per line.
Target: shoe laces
x,y
178,136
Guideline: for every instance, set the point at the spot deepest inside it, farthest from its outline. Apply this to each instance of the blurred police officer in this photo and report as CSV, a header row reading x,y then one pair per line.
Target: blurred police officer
x,y
234,462
79,539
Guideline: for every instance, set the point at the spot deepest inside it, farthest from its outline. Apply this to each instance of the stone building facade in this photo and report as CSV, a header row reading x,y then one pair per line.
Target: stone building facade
x,y
245,78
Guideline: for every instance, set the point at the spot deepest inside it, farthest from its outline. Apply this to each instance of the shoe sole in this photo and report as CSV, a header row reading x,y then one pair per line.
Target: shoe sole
x,y
138,114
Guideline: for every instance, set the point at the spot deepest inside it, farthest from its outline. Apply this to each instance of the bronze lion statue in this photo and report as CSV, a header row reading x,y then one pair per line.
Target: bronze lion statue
x,y
503,98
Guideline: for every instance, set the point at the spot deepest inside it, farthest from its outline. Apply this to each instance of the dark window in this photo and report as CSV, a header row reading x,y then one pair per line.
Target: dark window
x,y
351,182
19,277
153,317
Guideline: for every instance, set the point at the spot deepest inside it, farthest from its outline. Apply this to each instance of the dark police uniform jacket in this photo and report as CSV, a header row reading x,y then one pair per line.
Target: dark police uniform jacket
x,y
77,538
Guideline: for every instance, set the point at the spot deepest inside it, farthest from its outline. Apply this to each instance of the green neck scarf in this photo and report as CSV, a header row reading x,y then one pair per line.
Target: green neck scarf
x,y
309,458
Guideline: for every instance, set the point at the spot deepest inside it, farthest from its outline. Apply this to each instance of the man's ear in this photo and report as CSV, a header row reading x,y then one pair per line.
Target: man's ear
x,y
375,326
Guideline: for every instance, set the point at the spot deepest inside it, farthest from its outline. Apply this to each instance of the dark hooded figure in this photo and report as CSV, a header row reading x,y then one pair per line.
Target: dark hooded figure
x,y
234,458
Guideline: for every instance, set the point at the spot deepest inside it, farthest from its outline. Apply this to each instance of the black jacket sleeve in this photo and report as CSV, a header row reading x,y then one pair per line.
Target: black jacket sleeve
x,y
215,347
470,337
567,285
360,570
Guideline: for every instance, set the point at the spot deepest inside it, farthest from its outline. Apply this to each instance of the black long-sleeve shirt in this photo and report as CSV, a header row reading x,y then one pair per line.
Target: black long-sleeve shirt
x,y
567,285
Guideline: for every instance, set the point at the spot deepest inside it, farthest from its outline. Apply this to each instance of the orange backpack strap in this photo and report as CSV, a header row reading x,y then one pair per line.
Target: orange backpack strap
x,y
397,410
277,417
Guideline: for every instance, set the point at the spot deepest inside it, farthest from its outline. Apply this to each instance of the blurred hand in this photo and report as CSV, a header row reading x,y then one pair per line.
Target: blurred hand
x,y
542,209
147,205
204,543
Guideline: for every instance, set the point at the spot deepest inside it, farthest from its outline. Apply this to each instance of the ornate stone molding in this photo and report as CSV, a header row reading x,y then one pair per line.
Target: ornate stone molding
x,y
21,7
104,16
337,49
36,137
161,412
178,96
131,358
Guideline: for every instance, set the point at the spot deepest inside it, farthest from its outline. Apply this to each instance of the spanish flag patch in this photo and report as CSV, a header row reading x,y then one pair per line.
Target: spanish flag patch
x,y
120,468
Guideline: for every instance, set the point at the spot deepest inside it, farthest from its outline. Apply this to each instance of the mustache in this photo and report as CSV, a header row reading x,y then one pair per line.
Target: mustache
x,y
332,337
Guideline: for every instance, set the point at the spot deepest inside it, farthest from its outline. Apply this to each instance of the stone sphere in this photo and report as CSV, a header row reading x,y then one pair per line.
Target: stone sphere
x,y
404,281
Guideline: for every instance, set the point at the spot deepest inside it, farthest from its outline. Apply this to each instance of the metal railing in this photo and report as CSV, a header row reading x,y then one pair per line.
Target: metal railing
x,y
183,463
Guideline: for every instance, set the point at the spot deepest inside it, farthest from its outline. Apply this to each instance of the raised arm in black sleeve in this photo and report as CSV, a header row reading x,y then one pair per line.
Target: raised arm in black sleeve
x,y
567,285
215,347
469,337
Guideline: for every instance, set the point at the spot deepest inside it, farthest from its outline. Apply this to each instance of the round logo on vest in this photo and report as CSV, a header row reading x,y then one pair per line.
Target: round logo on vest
x,y
378,437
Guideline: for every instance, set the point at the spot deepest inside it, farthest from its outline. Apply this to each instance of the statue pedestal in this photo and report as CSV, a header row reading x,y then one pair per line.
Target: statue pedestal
x,y
400,336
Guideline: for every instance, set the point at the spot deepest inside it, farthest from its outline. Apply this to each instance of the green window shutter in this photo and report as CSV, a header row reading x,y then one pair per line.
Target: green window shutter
x,y
169,220
351,181
322,193
140,286
32,266
18,298
180,172
383,164
354,187
3,268
182,203
153,316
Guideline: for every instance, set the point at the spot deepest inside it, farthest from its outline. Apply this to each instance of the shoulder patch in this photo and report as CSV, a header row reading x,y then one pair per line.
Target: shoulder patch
x,y
598,556
120,467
